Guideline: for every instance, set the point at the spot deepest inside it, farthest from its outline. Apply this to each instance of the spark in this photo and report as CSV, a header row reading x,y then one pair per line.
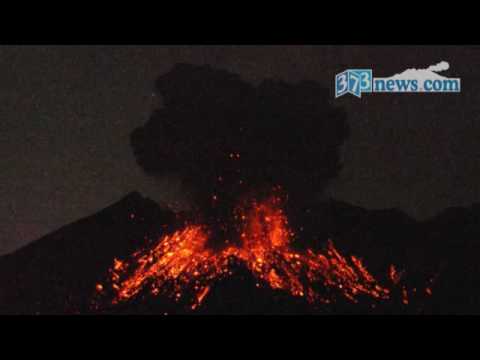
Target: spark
x,y
181,265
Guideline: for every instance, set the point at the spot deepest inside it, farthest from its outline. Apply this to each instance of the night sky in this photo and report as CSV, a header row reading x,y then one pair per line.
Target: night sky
x,y
66,114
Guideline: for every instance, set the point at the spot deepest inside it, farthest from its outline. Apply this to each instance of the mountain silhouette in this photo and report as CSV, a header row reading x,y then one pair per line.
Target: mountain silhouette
x,y
57,274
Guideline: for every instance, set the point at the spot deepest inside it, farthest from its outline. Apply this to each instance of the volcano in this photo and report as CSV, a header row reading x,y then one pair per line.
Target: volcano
x,y
365,262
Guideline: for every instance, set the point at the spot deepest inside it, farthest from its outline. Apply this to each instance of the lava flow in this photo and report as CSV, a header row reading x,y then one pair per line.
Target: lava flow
x,y
182,267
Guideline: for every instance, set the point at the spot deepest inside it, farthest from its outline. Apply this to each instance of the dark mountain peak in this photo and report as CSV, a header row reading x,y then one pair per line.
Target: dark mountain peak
x,y
342,207
135,202
457,212
341,218
65,265
133,209
132,197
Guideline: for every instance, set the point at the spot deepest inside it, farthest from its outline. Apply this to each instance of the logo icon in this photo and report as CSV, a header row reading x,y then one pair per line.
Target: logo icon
x,y
353,81
358,81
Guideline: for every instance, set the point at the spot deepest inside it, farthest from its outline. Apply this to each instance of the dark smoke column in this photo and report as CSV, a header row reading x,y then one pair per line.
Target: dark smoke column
x,y
226,138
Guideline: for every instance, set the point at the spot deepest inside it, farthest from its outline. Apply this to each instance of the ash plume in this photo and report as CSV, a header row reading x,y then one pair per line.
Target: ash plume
x,y
225,137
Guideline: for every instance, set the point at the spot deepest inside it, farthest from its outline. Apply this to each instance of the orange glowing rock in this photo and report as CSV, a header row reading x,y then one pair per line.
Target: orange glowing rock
x,y
181,263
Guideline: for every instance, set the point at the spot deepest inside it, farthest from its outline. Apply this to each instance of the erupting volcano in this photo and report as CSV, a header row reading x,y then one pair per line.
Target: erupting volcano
x,y
244,246
182,267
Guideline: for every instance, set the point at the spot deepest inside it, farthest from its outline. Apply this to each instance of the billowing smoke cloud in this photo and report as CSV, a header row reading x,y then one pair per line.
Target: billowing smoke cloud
x,y
441,66
224,136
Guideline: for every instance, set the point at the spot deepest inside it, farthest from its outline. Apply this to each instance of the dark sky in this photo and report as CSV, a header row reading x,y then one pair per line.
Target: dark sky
x,y
66,114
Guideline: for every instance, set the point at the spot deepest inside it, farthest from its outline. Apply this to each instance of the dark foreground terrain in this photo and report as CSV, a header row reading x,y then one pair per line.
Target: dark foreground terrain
x,y
58,273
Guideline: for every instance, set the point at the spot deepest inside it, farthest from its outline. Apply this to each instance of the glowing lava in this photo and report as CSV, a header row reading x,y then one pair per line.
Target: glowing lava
x,y
182,267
